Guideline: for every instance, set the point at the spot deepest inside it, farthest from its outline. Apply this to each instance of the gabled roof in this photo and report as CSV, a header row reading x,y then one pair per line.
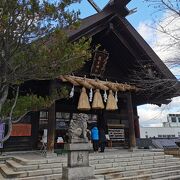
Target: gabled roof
x,y
99,18
111,29
100,21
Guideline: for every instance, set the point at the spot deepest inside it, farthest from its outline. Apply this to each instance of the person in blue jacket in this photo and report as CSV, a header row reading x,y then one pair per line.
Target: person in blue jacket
x,y
95,138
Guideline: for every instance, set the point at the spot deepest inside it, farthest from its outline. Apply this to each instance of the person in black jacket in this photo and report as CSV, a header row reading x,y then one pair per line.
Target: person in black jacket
x,y
102,139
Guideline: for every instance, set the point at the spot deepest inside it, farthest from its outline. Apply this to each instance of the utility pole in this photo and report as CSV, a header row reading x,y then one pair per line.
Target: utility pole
x,y
94,5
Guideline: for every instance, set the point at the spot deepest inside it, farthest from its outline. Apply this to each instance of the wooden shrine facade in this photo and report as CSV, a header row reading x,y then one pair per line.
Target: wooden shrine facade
x,y
122,58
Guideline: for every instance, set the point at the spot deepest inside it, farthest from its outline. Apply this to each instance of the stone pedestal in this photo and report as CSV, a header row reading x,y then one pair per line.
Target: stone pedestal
x,y
78,162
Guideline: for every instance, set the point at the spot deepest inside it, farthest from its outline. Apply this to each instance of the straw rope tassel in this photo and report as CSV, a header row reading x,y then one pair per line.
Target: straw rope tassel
x,y
111,102
97,101
83,103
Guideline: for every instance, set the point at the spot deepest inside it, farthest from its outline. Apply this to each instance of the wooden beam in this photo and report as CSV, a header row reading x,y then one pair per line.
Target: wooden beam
x,y
94,5
89,24
136,123
51,128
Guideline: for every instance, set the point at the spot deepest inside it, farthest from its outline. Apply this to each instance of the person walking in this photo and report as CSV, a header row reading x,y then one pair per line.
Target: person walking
x,y
95,138
102,139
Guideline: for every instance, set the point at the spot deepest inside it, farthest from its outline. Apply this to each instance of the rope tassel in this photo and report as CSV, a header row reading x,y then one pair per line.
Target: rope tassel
x,y
83,103
111,102
97,101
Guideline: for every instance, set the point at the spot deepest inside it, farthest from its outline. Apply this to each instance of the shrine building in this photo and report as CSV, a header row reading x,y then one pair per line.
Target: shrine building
x,y
123,73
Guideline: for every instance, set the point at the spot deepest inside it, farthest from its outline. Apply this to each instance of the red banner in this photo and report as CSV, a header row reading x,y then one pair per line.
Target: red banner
x,y
21,130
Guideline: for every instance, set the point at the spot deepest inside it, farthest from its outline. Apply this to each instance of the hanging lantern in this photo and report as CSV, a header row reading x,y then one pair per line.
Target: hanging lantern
x,y
83,103
111,102
97,101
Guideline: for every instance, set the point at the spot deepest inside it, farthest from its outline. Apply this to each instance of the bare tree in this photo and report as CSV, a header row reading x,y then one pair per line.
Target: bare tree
x,y
152,84
168,26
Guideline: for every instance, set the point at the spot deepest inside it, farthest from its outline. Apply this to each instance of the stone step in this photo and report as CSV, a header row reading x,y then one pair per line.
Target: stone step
x,y
100,159
44,177
56,177
127,155
167,163
165,174
99,177
21,164
9,173
1,177
124,167
39,161
104,165
108,170
23,161
133,160
93,158
176,177
19,167
141,172
42,172
158,175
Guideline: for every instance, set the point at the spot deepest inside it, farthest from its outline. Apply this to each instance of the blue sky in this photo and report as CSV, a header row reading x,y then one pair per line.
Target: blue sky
x,y
143,11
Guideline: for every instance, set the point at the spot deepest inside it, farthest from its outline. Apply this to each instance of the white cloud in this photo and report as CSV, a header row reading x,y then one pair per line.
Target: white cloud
x,y
152,115
167,46
164,46
175,70
148,33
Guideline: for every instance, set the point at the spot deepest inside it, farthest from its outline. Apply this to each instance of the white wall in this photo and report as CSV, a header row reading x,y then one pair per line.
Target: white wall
x,y
155,131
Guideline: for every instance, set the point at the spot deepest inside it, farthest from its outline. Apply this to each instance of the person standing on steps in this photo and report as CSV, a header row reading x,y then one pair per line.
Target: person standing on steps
x,y
95,138
102,139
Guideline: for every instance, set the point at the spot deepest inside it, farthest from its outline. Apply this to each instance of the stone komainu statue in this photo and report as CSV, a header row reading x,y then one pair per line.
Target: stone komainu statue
x,y
77,131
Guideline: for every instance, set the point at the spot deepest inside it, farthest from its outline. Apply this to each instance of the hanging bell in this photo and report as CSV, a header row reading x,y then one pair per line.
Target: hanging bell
x,y
83,103
97,101
111,102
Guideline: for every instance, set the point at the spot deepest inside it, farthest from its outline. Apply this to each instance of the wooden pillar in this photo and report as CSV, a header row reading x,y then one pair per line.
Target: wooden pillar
x,y
51,128
136,123
132,138
35,128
